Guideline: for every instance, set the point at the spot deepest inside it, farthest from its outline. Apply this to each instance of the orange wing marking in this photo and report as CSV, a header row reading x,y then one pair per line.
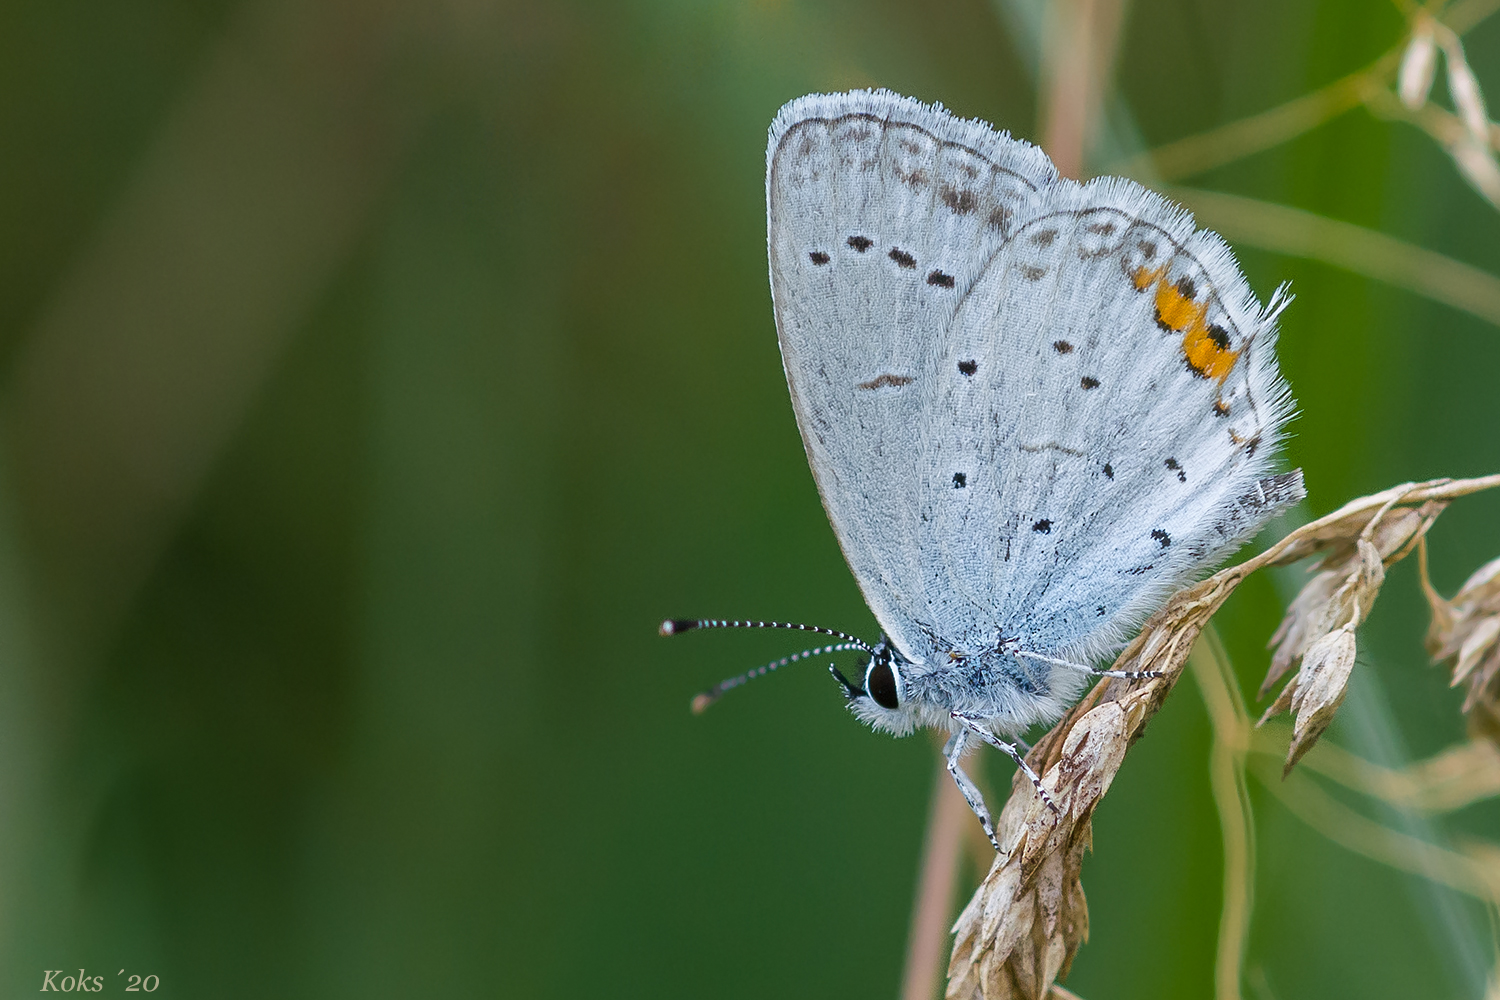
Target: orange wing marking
x,y
1205,346
1144,279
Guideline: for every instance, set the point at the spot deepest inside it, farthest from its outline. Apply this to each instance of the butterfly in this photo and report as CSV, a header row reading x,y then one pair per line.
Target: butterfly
x,y
1033,408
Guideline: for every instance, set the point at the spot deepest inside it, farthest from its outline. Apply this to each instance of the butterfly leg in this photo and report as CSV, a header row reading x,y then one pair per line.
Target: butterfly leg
x,y
953,751
972,725
1085,668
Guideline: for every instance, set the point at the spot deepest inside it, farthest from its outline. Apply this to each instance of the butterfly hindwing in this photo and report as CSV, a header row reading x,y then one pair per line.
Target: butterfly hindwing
x,y
1110,397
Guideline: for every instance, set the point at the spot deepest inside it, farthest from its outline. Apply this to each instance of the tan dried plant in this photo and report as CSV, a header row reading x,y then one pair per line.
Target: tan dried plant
x,y
1025,923
1466,630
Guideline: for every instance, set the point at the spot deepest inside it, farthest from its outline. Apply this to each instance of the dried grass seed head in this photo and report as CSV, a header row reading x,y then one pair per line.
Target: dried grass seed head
x,y
1317,633
1318,690
1467,631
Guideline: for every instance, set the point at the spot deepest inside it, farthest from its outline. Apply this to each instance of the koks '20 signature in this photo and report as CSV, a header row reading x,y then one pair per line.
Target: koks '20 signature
x,y
53,979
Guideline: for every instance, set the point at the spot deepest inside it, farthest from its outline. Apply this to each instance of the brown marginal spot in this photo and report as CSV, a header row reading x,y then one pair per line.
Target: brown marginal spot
x,y
999,218
1186,288
959,202
902,258
1101,228
1044,238
1062,347
916,179
819,257
1221,408
860,243
882,381
940,279
1147,248
1033,273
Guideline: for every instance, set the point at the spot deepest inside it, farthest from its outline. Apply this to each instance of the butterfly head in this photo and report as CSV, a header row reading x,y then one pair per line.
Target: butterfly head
x,y
883,701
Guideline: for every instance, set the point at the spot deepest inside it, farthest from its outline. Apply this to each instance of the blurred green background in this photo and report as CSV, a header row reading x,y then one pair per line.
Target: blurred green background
x,y
375,376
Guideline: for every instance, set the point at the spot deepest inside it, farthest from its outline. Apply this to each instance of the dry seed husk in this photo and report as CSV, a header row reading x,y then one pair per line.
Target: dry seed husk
x,y
1467,631
1317,632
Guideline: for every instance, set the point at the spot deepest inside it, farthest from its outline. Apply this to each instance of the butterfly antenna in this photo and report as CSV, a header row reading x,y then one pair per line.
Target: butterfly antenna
x,y
674,626
713,694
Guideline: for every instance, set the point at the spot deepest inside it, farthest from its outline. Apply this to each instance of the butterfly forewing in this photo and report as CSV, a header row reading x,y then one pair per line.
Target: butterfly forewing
x,y
880,221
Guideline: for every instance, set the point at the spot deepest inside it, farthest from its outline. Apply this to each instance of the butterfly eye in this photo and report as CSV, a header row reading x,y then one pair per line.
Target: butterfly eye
x,y
880,682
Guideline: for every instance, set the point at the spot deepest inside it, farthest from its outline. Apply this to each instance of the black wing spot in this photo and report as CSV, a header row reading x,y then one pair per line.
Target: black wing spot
x,y
860,243
1062,347
1109,471
902,258
1138,570
1042,527
1221,408
1186,288
1044,238
940,279
1172,464
1089,382
1162,537
960,480
1099,611
968,367
1219,336
819,257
